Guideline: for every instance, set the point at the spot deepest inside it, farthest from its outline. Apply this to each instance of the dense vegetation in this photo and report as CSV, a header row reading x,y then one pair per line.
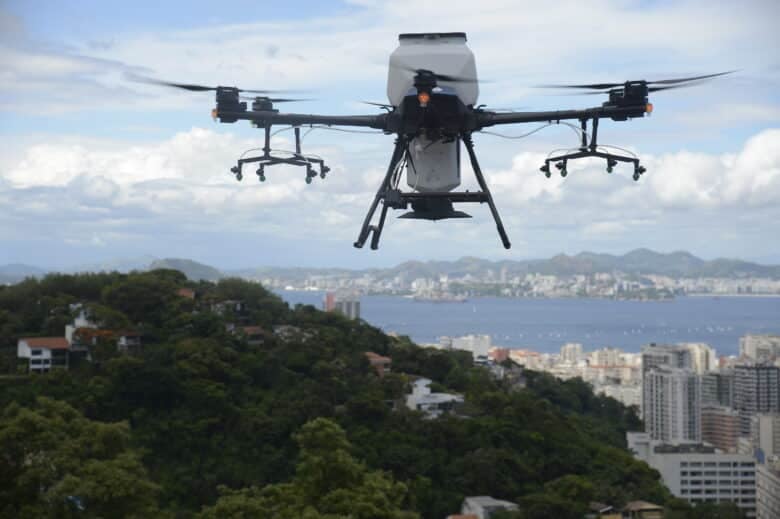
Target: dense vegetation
x,y
201,423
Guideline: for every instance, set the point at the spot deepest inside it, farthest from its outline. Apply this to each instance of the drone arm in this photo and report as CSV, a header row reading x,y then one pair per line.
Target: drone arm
x,y
270,118
487,118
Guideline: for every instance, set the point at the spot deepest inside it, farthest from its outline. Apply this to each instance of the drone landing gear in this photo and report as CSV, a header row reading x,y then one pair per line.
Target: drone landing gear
x,y
590,150
295,159
428,206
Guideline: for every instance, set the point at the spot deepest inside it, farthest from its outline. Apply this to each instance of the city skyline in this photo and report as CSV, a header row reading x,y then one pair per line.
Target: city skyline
x,y
98,167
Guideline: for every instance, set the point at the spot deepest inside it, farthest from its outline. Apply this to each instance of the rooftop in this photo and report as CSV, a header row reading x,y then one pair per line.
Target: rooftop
x,y
49,343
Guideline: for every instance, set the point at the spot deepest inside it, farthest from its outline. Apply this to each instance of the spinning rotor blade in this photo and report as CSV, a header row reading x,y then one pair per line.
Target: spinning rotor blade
x,y
272,99
439,77
677,81
380,105
190,86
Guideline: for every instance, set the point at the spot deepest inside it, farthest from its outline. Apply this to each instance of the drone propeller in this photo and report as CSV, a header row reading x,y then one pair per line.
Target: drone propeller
x,y
673,83
380,105
439,77
190,86
271,99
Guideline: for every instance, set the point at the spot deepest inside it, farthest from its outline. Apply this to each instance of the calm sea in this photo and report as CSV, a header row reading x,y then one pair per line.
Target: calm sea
x,y
546,324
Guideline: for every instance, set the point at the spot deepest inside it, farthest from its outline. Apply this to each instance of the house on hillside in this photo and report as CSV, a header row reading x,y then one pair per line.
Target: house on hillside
x,y
230,305
186,293
642,510
432,404
81,321
380,363
254,335
43,353
482,507
128,341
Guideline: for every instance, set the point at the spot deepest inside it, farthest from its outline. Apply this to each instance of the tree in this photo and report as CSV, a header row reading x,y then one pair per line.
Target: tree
x,y
329,483
55,462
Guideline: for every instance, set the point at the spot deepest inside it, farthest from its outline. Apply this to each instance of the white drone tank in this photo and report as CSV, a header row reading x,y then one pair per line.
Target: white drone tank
x,y
433,166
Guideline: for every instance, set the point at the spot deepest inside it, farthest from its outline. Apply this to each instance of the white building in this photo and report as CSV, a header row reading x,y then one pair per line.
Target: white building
x,y
81,321
768,491
483,506
699,473
478,345
432,404
571,353
703,357
627,395
765,435
756,390
43,353
671,405
760,347
606,357
671,355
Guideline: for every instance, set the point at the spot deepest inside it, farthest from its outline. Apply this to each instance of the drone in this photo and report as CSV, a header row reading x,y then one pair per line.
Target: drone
x,y
432,89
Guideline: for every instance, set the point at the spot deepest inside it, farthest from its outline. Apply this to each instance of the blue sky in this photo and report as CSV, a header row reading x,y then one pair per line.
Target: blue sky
x,y
97,167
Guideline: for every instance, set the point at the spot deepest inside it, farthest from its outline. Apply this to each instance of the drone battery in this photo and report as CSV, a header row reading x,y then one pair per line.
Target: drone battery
x,y
433,165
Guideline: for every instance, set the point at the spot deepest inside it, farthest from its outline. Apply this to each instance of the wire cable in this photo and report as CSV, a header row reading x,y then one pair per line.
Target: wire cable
x,y
522,136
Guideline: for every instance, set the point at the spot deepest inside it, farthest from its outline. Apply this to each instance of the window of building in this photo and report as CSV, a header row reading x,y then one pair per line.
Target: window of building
x,y
35,352
35,362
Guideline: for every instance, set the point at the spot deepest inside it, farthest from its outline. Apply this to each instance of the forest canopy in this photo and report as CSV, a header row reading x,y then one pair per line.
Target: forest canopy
x,y
205,421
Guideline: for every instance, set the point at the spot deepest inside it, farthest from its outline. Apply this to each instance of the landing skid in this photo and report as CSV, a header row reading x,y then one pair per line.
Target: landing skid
x,y
437,204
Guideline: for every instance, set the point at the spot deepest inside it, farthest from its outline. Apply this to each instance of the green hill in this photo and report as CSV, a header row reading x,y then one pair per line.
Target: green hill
x,y
210,425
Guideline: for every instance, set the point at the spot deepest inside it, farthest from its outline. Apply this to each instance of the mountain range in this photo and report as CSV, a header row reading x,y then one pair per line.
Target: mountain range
x,y
639,261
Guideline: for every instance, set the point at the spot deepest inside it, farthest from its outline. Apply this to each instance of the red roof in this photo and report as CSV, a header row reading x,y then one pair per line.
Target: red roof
x,y
49,343
376,358
253,330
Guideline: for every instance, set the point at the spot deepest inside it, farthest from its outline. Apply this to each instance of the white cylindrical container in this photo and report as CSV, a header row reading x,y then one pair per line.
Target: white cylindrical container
x,y
433,166
442,53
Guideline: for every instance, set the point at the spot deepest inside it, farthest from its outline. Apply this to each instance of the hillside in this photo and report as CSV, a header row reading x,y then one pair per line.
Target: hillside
x,y
192,269
203,422
639,261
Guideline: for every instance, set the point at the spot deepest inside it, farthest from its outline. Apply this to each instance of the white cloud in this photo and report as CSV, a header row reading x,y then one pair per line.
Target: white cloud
x,y
517,44
682,179
109,190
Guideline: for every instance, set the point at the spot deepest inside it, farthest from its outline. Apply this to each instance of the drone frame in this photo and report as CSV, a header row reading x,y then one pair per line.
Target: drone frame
x,y
396,199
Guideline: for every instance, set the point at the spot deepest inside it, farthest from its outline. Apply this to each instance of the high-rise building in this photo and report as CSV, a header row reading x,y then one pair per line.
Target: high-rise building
x,y
756,390
717,388
671,355
703,356
478,345
345,304
768,491
765,435
606,357
720,427
699,473
671,405
762,348
571,353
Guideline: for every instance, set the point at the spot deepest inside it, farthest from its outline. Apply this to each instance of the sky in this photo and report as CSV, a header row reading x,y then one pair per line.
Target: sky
x,y
96,167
